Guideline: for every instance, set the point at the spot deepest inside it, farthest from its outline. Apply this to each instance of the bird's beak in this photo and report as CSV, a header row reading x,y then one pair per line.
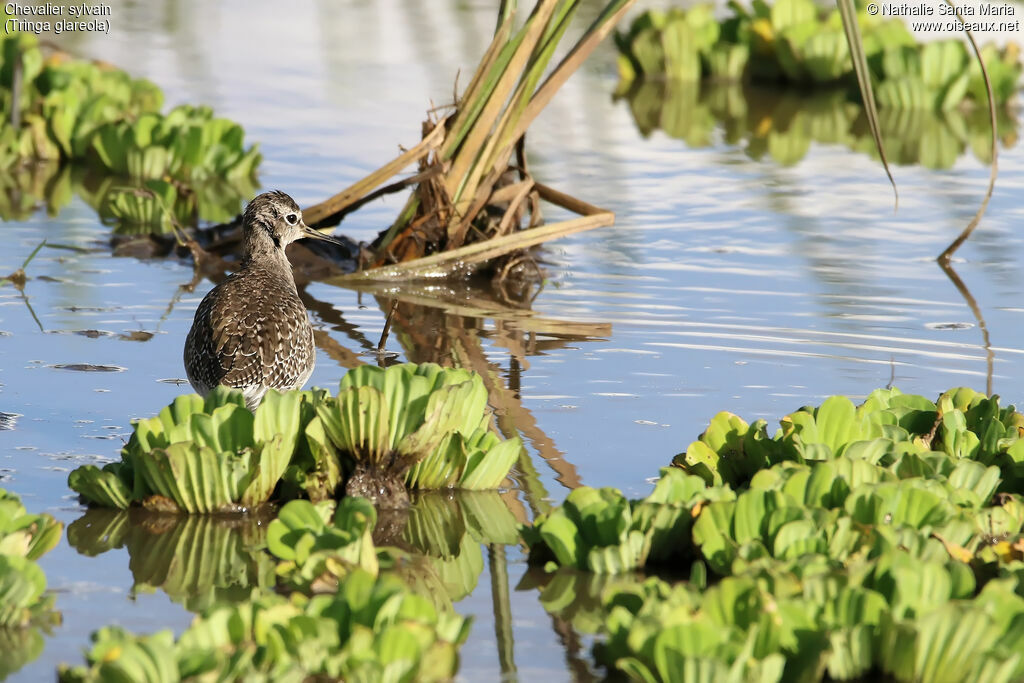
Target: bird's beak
x,y
310,232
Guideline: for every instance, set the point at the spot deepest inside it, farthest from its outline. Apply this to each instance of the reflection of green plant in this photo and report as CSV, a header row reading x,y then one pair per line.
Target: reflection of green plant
x,y
24,608
75,110
573,595
24,538
600,531
780,125
387,615
449,530
372,629
198,560
313,554
316,545
146,207
792,41
204,560
18,647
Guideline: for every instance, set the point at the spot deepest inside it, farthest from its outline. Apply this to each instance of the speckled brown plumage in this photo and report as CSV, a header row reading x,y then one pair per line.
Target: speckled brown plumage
x,y
252,332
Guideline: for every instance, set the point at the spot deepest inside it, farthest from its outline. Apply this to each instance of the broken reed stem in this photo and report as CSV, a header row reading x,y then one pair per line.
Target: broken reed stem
x,y
440,264
524,188
318,212
335,218
567,202
382,344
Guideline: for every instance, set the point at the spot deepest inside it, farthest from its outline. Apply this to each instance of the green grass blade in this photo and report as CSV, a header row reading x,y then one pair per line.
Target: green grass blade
x,y
848,13
994,171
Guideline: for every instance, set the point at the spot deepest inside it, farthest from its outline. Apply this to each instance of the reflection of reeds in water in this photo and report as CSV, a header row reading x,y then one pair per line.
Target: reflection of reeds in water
x,y
447,325
781,124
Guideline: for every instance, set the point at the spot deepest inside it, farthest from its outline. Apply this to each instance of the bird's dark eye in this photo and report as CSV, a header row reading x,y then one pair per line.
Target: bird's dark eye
x,y
291,219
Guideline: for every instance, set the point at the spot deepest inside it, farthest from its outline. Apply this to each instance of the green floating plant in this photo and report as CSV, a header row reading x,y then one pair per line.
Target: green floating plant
x,y
804,622
416,426
200,456
794,41
185,162
371,629
24,538
420,426
599,530
860,541
847,508
869,574
889,424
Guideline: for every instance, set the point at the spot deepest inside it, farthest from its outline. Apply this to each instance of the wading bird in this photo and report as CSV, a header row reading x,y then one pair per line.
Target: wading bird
x,y
251,332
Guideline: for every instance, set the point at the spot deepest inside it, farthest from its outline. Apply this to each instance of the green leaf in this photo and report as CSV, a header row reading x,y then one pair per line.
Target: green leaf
x,y
487,469
102,487
562,536
196,478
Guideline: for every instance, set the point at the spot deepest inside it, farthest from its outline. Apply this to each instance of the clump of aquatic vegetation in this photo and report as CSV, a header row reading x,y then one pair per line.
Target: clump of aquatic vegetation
x,y
880,538
900,616
601,531
353,611
373,628
24,538
184,163
885,538
797,42
781,124
890,430
25,607
199,455
415,426
421,426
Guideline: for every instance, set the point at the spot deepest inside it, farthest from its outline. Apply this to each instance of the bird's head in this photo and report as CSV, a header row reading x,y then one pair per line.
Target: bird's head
x,y
275,217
